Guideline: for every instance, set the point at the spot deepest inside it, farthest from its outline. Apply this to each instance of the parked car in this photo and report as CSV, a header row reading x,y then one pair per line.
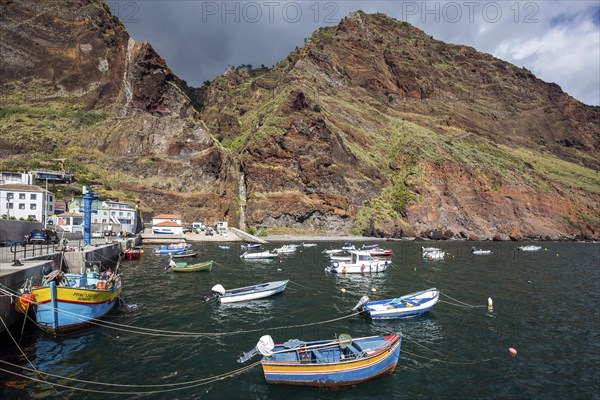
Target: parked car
x,y
43,236
97,234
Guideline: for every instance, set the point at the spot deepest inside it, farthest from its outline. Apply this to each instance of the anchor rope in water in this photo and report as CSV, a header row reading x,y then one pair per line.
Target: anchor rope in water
x,y
125,385
450,362
201,382
29,361
169,333
460,302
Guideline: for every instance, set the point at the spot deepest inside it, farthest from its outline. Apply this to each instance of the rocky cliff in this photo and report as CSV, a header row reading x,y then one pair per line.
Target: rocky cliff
x,y
372,127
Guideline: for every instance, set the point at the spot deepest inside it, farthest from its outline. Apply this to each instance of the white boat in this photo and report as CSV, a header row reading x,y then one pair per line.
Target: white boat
x,y
246,293
340,258
258,255
309,244
480,252
434,255
530,248
348,246
333,251
406,306
286,249
360,262
250,246
430,249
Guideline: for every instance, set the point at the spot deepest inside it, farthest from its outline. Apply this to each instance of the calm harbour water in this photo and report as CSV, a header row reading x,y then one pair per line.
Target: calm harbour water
x,y
545,306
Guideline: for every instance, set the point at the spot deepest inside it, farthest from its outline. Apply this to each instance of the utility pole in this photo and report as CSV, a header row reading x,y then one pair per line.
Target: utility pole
x,y
45,211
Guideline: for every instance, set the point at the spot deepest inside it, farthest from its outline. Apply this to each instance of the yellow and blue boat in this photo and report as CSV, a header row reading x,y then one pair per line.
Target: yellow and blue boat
x,y
70,301
328,363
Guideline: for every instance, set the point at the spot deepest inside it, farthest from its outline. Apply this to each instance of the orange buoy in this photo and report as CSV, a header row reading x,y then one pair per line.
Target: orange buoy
x,y
512,351
23,302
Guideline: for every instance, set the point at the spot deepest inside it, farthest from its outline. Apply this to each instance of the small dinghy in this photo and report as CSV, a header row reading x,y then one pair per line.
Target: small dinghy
x,y
529,248
186,254
341,362
480,252
250,246
406,306
185,267
258,256
246,293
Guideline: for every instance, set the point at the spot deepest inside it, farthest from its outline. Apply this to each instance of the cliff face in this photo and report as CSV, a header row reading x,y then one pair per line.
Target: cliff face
x,y
75,85
373,127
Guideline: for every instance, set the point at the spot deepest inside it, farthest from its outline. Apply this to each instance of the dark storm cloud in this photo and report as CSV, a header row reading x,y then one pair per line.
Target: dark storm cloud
x,y
559,41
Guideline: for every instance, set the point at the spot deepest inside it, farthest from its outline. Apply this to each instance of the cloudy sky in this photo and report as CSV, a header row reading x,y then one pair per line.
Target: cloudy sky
x,y
559,41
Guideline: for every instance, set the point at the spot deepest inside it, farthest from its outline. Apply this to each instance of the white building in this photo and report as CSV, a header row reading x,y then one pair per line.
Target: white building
x,y
22,178
69,222
27,202
109,215
167,224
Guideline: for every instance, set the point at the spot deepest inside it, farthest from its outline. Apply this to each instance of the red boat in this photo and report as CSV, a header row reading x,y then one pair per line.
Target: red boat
x,y
380,253
133,253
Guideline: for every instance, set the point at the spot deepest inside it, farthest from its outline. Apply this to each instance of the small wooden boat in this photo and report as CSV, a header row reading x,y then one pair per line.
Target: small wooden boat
x,y
185,267
377,252
64,302
410,305
133,253
348,246
333,251
185,254
174,248
246,293
530,248
327,363
480,252
360,262
258,255
285,249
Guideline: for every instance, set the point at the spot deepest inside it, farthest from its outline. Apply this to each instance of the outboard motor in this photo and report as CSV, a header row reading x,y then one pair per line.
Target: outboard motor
x,y
216,291
264,346
361,303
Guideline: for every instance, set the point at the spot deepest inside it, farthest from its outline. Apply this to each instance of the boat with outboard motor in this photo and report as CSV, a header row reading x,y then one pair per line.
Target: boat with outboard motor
x,y
247,293
341,362
409,305
360,262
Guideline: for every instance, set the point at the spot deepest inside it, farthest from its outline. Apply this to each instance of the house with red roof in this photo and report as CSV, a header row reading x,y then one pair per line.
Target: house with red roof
x,y
167,224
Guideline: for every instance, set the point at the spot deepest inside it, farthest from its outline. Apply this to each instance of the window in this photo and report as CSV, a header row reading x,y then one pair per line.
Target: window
x,y
32,207
21,196
10,206
50,198
10,196
33,196
49,208
21,206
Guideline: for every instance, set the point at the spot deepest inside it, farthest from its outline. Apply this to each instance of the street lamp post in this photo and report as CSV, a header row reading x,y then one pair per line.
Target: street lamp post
x,y
45,210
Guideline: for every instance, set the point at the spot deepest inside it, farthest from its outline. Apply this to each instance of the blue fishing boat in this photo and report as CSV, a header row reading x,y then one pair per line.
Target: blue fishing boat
x,y
64,302
224,247
406,306
174,248
327,363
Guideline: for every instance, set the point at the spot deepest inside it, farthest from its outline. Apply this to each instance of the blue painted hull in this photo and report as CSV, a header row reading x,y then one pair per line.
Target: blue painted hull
x,y
347,372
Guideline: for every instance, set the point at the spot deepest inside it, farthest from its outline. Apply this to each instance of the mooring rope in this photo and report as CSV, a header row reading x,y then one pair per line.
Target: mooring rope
x,y
169,333
450,362
28,360
460,303
200,382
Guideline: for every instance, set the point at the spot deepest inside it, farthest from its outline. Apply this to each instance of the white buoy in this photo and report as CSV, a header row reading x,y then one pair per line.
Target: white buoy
x,y
343,290
373,290
512,351
490,304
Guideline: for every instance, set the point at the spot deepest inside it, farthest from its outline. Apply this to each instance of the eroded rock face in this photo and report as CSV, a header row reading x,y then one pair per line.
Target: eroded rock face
x,y
370,115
